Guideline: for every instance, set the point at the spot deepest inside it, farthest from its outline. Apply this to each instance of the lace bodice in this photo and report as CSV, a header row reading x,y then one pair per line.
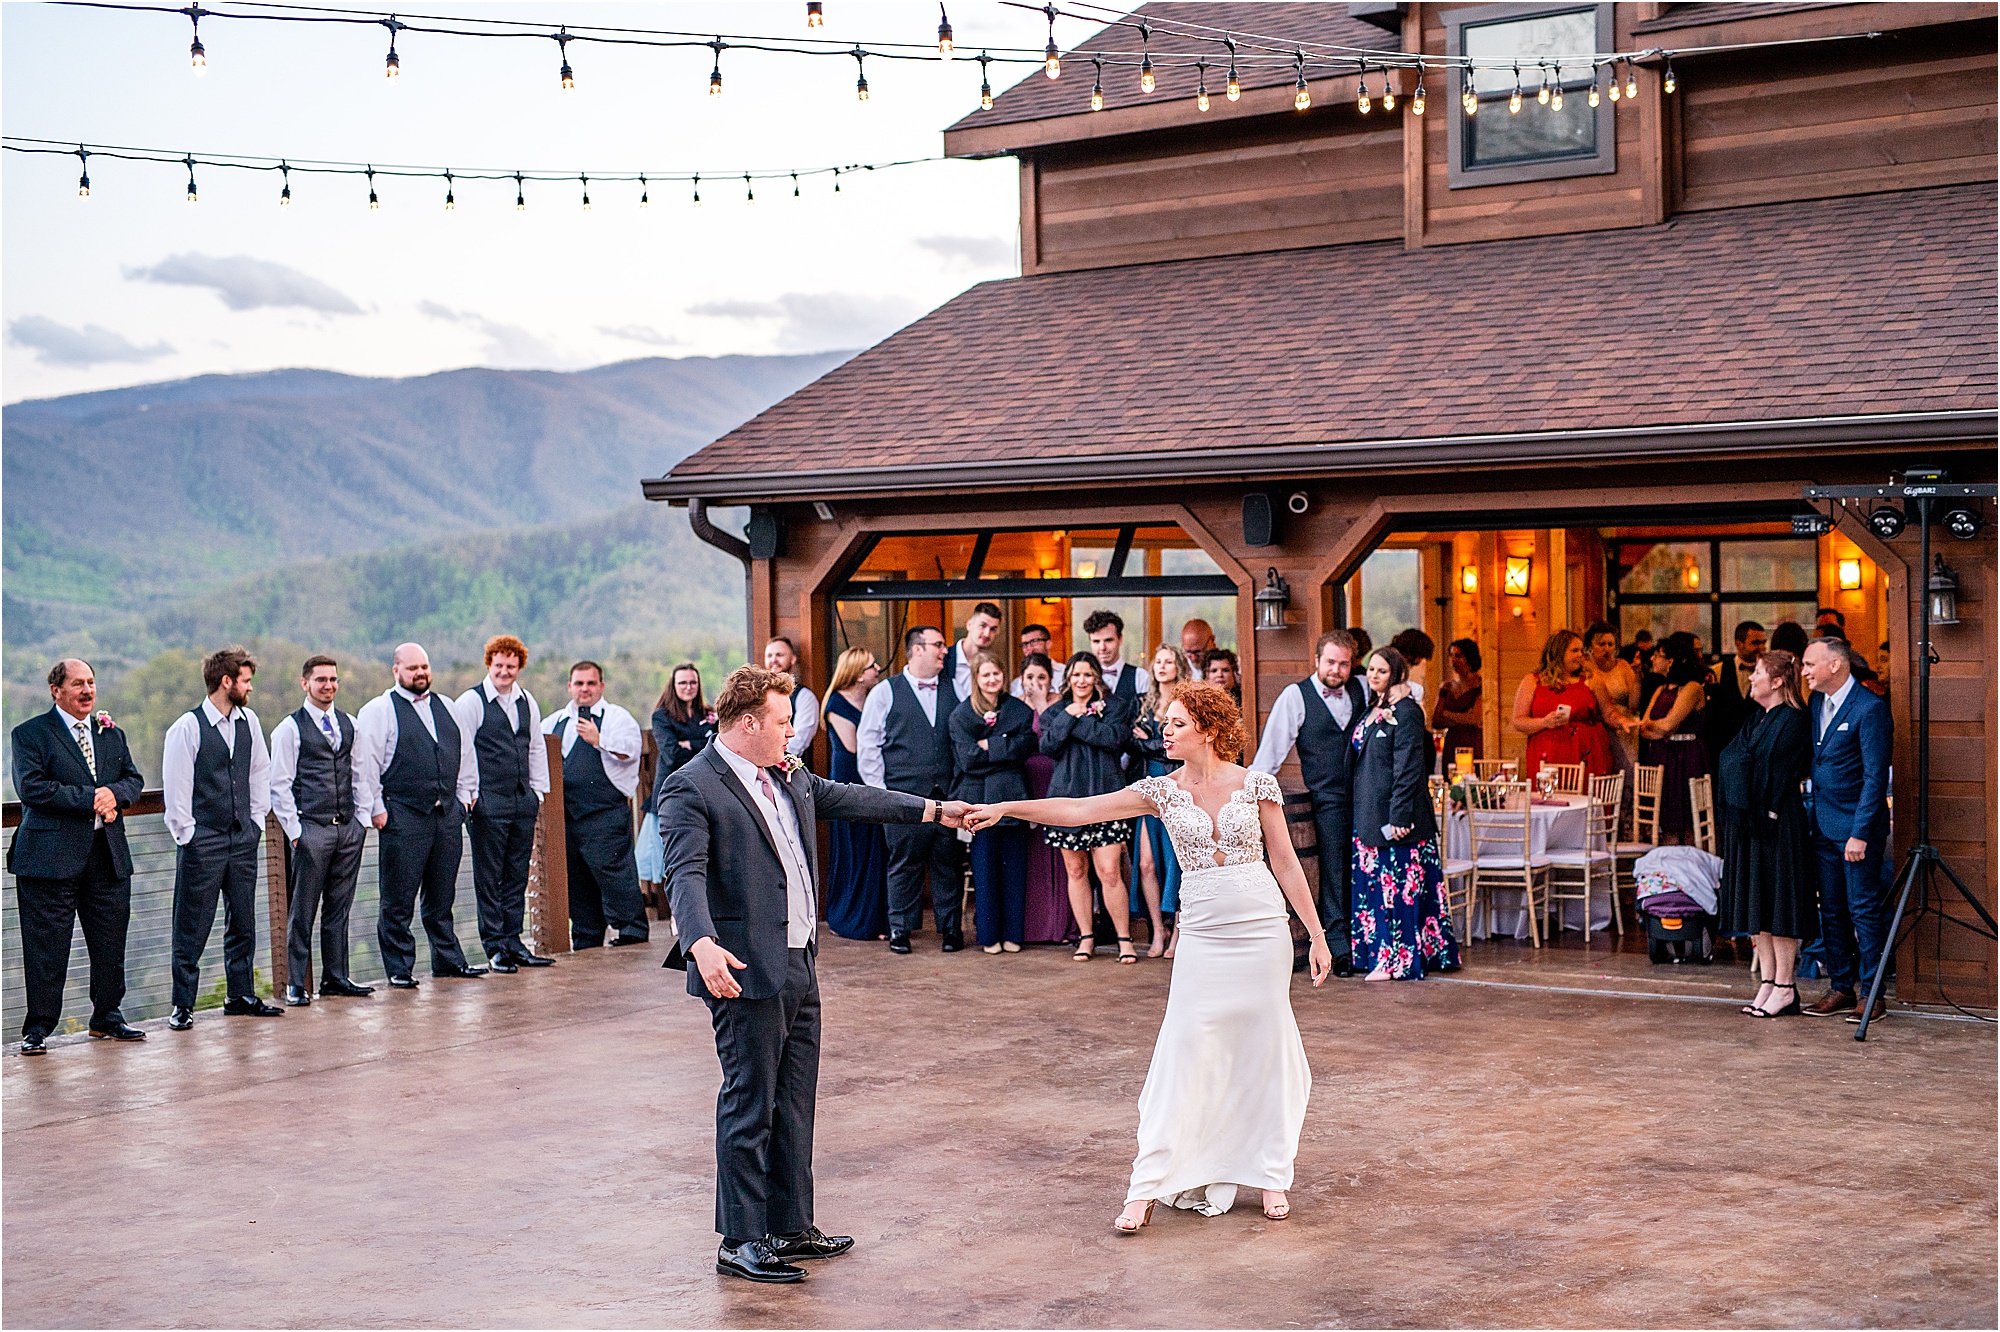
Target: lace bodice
x,y
1237,832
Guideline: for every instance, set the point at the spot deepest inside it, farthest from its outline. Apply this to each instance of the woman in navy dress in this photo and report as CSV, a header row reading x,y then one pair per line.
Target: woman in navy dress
x,y
857,881
1400,930
1156,871
992,734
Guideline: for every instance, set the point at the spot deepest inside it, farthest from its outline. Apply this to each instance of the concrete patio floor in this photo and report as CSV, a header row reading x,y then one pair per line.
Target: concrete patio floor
x,y
536,1150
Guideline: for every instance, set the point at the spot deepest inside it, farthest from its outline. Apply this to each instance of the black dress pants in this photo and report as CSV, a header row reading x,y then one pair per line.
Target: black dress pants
x,y
501,848
769,1050
419,853
326,871
215,866
1333,826
916,850
50,909
603,879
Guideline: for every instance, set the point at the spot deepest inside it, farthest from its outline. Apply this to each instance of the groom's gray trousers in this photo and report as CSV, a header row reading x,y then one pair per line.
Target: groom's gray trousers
x,y
764,1112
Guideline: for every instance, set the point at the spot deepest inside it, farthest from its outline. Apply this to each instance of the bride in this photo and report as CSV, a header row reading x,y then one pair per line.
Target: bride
x,y
1225,1097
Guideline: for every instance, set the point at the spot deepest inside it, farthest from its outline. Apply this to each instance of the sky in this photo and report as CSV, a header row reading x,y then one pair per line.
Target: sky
x,y
134,285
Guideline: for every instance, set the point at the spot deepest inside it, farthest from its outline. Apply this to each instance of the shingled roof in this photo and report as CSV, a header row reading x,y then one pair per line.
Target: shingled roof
x,y
1851,307
1256,27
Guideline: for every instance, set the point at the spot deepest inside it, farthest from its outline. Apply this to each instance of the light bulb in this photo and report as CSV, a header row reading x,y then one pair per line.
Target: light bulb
x,y
1052,61
1201,86
1556,98
374,204
944,33
83,186
1388,96
1542,93
1417,97
1301,98
393,67
815,18
568,78
1631,80
1616,92
1097,99
198,58
1514,103
450,202
285,197
1594,98
520,196
715,81
1668,83
1146,80
1233,89
861,89
985,96
191,190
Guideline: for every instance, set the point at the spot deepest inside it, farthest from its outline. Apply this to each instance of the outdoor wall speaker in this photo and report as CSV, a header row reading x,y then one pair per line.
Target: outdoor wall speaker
x,y
764,534
1260,520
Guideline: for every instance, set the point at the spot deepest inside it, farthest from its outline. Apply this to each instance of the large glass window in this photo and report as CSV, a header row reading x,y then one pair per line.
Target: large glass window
x,y
1706,587
1533,119
1392,593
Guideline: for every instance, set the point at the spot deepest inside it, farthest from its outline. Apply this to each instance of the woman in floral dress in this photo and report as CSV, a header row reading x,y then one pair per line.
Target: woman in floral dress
x,y
1400,929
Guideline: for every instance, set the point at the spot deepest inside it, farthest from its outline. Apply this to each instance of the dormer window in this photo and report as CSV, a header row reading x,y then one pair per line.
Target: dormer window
x,y
1530,52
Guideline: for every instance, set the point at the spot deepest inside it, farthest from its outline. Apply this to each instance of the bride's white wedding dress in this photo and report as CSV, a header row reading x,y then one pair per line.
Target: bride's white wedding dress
x,y
1225,1097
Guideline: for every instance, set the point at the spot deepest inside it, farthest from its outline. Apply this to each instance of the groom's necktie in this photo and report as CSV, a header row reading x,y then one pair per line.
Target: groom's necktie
x,y
82,729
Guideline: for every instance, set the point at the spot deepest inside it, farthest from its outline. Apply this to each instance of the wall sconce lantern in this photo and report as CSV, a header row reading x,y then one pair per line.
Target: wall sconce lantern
x,y
1468,579
1271,599
1519,568
1943,591
1850,575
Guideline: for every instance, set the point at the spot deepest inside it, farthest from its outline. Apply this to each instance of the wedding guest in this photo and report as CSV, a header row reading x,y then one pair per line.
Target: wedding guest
x,y
1047,912
505,723
982,627
1036,641
1671,732
1728,703
1156,874
1768,875
1363,643
75,776
600,762
682,724
1086,731
1197,641
1106,631
781,655
1225,672
992,734
1616,684
1400,929
1788,636
215,776
1559,712
416,776
1638,650
1825,618
857,883
1417,649
1457,712
1318,714
1853,745
312,793
905,745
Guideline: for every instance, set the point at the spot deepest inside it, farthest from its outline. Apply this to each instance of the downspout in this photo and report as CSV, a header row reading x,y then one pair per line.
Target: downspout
x,y
730,545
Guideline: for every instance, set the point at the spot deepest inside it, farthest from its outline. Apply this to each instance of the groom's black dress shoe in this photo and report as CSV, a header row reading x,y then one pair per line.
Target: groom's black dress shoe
x,y
524,958
754,1260
180,1019
250,1005
1343,967
899,941
115,1029
810,1243
345,988
502,963
954,941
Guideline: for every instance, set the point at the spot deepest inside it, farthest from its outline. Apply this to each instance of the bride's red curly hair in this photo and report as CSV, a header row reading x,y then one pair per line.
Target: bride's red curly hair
x,y
1215,715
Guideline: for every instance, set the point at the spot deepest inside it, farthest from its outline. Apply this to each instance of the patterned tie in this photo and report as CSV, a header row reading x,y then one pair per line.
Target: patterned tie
x,y
332,736
82,729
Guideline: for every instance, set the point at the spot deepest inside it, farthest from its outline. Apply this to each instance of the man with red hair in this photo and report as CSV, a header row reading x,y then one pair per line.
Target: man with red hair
x,y
506,727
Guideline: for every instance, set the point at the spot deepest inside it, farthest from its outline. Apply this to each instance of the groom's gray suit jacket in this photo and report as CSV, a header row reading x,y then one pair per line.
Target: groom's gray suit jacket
x,y
724,876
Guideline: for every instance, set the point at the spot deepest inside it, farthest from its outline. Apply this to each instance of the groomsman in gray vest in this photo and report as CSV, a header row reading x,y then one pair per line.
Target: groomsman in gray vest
x,y
215,776
905,745
416,776
312,793
600,749
505,723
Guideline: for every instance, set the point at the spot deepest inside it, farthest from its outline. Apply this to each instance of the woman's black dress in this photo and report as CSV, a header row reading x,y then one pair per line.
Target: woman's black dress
x,y
1769,882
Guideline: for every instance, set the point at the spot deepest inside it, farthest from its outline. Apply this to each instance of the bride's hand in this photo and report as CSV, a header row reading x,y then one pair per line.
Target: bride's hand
x,y
981,817
1322,960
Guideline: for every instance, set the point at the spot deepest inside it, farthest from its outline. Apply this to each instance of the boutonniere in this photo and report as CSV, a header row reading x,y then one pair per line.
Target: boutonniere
x,y
104,722
1097,707
790,764
990,717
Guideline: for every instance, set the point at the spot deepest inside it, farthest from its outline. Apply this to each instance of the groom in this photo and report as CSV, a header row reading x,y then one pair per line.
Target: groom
x,y
742,872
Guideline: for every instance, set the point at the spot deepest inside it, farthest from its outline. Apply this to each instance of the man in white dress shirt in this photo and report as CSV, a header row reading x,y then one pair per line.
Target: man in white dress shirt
x,y
505,723
312,793
600,758
904,744
1106,631
781,655
982,629
215,776
416,776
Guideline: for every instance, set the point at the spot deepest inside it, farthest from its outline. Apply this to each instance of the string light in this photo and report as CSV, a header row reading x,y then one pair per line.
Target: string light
x,y
450,199
1388,91
191,196
1201,85
1468,96
1594,98
861,74
1361,99
285,194
815,18
374,202
1668,83
944,33
1097,88
1616,92
697,191
1556,92
644,201
1233,88
985,83
1417,98
562,45
1631,79
1146,80
586,192
795,184
521,194
836,180
1051,57
393,67
715,74
1301,98
83,181
749,194
197,53
1542,94
1514,102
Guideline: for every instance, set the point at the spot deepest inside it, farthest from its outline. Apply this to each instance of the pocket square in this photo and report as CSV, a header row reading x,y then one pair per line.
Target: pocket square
x,y
1841,727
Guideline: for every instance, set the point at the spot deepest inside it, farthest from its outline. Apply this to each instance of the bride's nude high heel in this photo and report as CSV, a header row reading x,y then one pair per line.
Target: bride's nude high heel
x,y
1126,1226
1277,1211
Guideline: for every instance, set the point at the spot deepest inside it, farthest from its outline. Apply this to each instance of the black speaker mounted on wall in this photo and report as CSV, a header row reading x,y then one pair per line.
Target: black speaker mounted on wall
x,y
1260,520
765,535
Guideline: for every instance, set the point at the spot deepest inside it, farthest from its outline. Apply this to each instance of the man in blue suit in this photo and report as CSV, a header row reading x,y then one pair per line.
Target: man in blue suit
x,y
1853,744
75,776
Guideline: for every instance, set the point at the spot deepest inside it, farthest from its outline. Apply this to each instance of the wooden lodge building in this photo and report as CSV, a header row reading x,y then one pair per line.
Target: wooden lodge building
x,y
1506,379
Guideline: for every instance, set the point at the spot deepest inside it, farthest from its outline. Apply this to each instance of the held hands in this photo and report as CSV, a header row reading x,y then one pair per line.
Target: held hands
x,y
952,813
714,962
981,817
104,804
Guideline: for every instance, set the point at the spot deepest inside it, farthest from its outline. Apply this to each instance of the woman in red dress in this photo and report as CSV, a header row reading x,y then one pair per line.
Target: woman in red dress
x,y
1561,713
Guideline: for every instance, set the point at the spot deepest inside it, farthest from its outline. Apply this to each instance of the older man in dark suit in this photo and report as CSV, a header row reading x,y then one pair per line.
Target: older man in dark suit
x,y
742,870
75,776
1853,745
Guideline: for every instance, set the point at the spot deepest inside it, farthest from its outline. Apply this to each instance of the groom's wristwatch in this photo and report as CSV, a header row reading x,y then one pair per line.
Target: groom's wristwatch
x,y
931,809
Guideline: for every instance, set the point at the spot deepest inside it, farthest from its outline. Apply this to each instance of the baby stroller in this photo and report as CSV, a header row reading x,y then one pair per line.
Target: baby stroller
x,y
1675,887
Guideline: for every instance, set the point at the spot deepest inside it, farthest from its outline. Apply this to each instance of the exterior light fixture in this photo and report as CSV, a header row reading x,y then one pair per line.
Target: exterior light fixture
x,y
1850,575
1943,592
1468,579
1271,600
1520,568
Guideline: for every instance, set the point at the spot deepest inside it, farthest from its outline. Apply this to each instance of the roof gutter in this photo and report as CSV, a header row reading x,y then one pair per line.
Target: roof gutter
x,y
729,545
1536,448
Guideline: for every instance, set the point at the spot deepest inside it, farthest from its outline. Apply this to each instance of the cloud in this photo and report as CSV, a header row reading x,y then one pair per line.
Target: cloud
x,y
245,283
508,346
644,334
59,344
972,251
819,321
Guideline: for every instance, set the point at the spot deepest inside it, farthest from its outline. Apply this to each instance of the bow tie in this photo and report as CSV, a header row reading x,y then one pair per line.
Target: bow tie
x,y
927,684
1324,692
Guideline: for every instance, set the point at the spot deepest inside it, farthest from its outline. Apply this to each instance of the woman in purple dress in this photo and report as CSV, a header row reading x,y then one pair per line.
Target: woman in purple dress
x,y
1048,914
1671,732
